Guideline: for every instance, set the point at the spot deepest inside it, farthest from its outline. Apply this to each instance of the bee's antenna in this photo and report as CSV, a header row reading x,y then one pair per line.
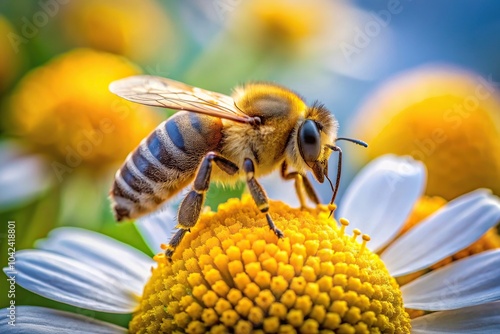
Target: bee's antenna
x,y
339,167
355,141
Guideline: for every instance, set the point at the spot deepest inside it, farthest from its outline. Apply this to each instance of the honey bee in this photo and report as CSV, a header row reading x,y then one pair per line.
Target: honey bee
x,y
215,137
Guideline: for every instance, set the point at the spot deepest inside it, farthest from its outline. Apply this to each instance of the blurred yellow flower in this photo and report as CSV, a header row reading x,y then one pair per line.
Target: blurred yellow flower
x,y
135,29
447,118
230,273
281,26
9,57
65,110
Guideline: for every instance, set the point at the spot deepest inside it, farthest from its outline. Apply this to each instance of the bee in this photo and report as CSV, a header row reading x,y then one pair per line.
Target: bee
x,y
215,137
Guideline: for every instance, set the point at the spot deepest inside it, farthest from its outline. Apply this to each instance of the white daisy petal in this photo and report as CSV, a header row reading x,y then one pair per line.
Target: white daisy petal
x,y
41,320
72,282
386,190
451,229
480,319
116,259
158,227
470,281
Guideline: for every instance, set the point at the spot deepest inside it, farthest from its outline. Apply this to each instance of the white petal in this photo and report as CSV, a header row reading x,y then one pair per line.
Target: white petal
x,y
480,319
72,282
451,229
471,281
158,227
381,197
41,320
15,169
116,259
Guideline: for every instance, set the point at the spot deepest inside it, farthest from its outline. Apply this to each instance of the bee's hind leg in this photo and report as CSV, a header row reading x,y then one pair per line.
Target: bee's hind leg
x,y
302,184
259,195
190,207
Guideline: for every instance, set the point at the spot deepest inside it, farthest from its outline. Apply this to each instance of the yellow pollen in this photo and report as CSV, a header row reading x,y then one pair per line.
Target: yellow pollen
x,y
231,274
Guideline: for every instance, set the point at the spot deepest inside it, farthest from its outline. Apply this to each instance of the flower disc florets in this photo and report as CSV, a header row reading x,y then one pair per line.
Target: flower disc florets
x,y
231,274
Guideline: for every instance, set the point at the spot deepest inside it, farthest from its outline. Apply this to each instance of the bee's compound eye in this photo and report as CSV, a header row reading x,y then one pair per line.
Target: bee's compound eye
x,y
309,141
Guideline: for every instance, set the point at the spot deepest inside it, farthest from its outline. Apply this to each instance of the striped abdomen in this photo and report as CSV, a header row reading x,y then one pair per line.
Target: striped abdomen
x,y
164,163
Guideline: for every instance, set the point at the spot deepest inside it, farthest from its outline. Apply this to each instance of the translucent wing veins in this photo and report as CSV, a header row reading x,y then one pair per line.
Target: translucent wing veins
x,y
163,92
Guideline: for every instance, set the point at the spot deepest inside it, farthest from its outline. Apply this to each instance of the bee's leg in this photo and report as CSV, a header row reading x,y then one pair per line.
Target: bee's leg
x,y
190,207
175,241
302,184
259,195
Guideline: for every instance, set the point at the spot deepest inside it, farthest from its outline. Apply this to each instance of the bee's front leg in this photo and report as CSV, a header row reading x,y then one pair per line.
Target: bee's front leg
x,y
302,184
190,208
259,195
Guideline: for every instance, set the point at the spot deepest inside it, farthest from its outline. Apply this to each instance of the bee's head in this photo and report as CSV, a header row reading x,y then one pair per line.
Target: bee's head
x,y
316,137
312,149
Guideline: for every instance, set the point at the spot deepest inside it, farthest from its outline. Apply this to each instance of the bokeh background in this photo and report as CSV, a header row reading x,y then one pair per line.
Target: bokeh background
x,y
63,135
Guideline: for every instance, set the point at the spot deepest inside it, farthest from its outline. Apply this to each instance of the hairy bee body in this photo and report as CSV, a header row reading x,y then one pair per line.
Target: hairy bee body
x,y
167,160
164,163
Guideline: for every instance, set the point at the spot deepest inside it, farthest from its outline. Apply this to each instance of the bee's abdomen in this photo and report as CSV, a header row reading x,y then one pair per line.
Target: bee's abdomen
x,y
164,163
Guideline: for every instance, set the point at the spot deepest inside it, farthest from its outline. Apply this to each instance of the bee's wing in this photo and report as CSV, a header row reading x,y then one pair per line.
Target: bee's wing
x,y
163,92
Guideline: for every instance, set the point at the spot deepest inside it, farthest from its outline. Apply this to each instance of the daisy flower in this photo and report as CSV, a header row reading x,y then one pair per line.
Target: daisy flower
x,y
231,274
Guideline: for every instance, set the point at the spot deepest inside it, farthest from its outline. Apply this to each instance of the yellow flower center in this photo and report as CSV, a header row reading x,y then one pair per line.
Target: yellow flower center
x,y
447,119
232,274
